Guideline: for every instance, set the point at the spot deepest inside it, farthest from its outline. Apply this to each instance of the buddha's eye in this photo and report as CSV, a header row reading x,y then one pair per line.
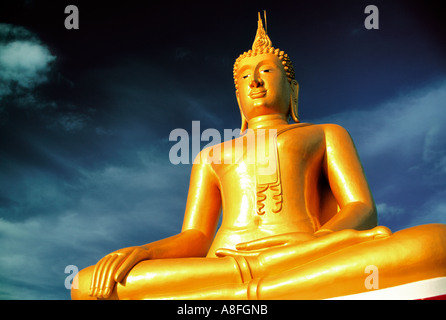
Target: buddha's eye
x,y
245,76
265,70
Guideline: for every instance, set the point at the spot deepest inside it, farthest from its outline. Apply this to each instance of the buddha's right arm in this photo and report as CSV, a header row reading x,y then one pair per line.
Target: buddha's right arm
x,y
188,243
199,225
200,220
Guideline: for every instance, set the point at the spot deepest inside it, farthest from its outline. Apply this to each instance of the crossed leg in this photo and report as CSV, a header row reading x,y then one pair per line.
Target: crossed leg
x,y
326,268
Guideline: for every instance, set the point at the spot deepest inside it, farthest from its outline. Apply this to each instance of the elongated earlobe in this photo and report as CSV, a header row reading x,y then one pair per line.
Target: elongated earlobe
x,y
244,124
294,101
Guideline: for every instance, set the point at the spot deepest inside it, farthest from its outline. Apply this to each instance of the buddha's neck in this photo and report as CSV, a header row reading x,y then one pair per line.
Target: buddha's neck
x,y
268,121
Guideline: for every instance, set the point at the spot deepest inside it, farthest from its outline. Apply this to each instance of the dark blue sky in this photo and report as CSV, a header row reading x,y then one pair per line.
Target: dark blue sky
x,y
85,115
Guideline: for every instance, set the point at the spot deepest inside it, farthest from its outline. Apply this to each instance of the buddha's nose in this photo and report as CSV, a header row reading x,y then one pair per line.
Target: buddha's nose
x,y
255,83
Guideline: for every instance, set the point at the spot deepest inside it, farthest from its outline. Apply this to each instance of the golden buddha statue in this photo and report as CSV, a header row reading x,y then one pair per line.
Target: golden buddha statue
x,y
303,229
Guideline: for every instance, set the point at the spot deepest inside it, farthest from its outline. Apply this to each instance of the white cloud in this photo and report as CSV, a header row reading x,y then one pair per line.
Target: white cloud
x,y
9,31
24,61
387,210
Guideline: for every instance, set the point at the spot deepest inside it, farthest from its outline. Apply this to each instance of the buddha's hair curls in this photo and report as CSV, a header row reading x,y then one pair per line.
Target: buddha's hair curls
x,y
286,62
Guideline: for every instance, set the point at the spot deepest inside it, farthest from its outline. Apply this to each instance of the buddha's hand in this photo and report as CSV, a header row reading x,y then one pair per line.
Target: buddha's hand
x,y
308,242
113,268
255,247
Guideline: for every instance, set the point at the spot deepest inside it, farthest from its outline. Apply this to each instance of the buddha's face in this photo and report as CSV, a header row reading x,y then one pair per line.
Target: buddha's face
x,y
263,87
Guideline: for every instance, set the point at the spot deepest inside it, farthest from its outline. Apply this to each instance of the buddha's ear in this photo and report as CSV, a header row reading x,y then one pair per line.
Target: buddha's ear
x,y
294,100
244,125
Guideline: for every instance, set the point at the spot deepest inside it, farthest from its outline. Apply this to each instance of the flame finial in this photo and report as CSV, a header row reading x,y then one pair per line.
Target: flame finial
x,y
261,41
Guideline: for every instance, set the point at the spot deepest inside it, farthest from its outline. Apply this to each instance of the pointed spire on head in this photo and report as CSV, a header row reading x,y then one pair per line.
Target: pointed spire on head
x,y
261,41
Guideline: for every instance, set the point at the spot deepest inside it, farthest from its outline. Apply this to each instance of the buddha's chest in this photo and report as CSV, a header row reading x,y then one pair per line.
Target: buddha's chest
x,y
262,169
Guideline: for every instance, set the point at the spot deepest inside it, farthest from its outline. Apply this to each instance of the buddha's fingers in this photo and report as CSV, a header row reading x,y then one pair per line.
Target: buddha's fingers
x,y
107,277
262,243
223,252
95,279
348,237
111,279
379,232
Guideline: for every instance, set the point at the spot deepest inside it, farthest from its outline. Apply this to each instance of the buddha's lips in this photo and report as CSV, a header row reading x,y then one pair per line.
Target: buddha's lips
x,y
257,94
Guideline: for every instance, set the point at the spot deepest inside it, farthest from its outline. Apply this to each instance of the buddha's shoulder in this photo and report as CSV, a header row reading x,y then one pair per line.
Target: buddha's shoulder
x,y
323,128
313,133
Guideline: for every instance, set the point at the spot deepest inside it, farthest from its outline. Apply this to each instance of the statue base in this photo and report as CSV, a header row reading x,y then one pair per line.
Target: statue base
x,y
430,289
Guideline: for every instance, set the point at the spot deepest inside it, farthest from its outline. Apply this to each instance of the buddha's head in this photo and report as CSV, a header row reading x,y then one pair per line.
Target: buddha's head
x,y
264,81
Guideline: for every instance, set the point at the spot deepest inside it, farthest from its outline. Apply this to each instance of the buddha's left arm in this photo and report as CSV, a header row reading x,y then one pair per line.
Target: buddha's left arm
x,y
348,183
